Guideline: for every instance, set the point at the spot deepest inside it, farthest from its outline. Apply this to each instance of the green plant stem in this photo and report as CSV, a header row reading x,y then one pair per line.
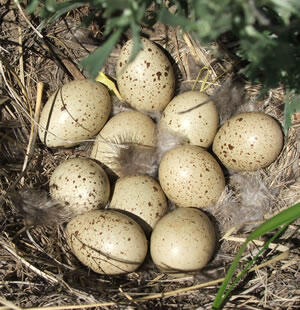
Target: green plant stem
x,y
283,218
220,301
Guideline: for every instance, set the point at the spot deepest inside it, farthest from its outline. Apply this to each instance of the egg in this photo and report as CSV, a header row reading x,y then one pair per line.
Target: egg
x,y
74,113
248,141
191,177
147,83
131,127
183,240
107,241
80,185
141,196
198,126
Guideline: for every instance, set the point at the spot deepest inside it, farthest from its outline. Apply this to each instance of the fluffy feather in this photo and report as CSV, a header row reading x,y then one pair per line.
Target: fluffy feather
x,y
136,159
166,140
245,200
38,209
120,106
228,98
132,159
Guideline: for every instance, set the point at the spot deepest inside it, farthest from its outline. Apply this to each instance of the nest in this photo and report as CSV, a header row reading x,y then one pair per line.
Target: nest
x,y
38,270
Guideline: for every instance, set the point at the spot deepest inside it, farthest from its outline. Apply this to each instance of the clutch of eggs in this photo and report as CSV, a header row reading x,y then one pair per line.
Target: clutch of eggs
x,y
113,241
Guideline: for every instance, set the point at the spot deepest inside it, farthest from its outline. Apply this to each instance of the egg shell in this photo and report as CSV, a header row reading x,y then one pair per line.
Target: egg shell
x,y
107,241
142,196
199,126
130,127
147,83
80,185
183,240
248,141
191,177
74,113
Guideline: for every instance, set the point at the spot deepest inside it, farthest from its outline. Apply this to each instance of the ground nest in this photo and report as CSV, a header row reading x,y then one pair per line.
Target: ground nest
x,y
38,270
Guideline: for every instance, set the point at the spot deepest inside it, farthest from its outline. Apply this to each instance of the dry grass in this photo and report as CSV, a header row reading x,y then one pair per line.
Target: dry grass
x,y
37,269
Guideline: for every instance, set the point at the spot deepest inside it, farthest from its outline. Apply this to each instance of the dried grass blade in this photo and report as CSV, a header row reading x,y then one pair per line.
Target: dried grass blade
x,y
34,122
28,265
8,305
27,20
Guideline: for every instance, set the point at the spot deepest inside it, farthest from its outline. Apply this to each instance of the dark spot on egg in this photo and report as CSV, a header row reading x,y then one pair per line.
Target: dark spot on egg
x,y
158,74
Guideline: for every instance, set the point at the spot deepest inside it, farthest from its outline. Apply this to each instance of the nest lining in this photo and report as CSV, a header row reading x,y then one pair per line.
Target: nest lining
x,y
36,267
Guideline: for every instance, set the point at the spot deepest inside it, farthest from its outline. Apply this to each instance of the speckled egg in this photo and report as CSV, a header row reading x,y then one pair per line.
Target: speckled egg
x,y
131,127
199,125
141,196
80,185
74,113
183,240
248,141
148,82
107,241
191,177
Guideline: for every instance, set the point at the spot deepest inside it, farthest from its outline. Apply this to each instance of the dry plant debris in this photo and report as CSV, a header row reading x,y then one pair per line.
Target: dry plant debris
x,y
37,270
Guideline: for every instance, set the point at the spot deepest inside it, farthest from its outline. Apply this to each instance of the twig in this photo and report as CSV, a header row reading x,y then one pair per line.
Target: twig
x,y
21,59
67,307
282,256
211,283
28,265
8,304
27,20
34,122
272,246
43,251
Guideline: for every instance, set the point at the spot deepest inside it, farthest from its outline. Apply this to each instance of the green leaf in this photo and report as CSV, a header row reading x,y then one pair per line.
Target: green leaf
x,y
53,10
140,13
171,19
286,8
95,61
283,217
51,5
292,105
137,44
31,7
